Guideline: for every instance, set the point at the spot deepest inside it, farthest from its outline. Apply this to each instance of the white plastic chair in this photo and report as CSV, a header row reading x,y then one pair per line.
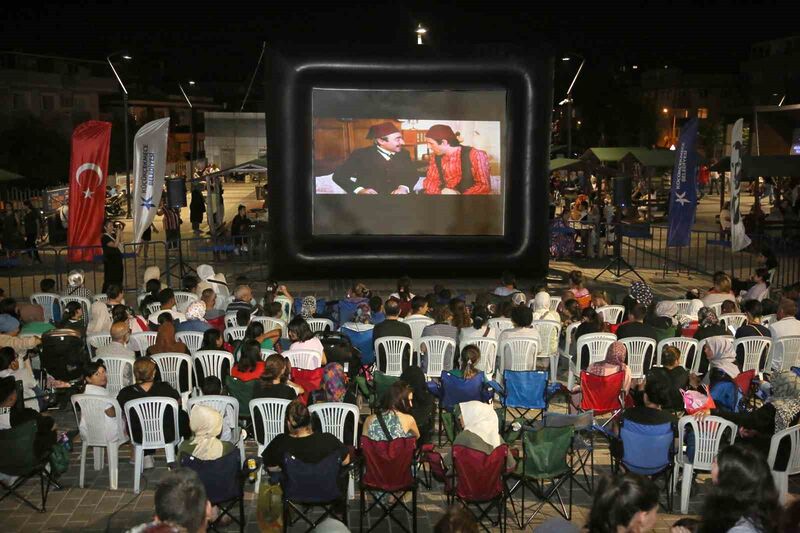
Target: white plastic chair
x,y
100,297
184,299
307,359
394,349
320,324
440,352
549,332
717,308
224,405
733,319
754,348
211,363
117,369
500,324
235,333
265,352
707,434
766,320
140,298
192,339
150,413
97,340
569,338
417,324
518,353
273,419
230,320
781,477
270,323
333,417
638,348
683,306
46,301
85,304
555,301
683,344
611,313
153,308
143,340
789,348
170,365
91,408
286,307
488,348
598,344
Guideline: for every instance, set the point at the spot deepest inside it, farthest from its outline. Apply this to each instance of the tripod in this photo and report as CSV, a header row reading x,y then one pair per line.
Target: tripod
x,y
615,266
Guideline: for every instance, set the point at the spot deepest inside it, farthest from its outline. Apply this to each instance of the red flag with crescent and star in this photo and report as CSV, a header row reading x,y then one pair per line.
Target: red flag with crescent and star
x,y
87,189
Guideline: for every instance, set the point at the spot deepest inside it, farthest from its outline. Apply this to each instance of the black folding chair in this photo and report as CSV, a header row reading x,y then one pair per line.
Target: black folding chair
x,y
223,479
313,485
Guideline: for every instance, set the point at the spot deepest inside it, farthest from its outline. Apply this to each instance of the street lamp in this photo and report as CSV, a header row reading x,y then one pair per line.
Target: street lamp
x,y
191,128
420,31
672,138
568,100
125,57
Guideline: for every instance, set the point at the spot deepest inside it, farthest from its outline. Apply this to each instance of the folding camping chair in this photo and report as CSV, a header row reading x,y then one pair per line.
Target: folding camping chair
x,y
480,483
602,394
223,479
546,454
524,391
582,444
20,461
454,390
375,390
649,450
387,473
309,485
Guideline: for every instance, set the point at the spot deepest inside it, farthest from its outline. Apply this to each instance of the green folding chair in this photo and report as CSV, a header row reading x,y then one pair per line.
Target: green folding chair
x,y
20,461
243,392
544,469
376,389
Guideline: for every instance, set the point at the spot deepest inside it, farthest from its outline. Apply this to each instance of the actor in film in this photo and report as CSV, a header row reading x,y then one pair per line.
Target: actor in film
x,y
455,168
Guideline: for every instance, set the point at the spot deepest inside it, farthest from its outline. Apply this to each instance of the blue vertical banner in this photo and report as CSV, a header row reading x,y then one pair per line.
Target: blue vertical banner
x,y
683,193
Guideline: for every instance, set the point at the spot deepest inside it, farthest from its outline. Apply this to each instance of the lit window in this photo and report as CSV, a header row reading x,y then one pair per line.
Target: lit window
x,y
702,112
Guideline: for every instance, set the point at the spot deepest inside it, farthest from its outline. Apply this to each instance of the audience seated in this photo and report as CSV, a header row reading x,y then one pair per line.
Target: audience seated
x,y
579,292
206,425
708,324
48,286
181,505
73,318
166,297
613,363
75,285
242,300
639,293
541,308
591,322
273,381
209,297
250,366
118,347
95,381
624,503
101,311
751,328
664,319
479,328
479,429
721,290
673,375
212,340
422,406
19,368
785,326
165,339
393,420
303,338
656,406
522,318
12,415
635,325
195,319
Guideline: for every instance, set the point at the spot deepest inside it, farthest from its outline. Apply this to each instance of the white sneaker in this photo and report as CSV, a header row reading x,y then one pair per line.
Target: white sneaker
x,y
148,462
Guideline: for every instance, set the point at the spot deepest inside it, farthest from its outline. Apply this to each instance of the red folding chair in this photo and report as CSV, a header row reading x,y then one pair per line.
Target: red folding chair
x,y
602,394
480,483
746,382
387,474
310,380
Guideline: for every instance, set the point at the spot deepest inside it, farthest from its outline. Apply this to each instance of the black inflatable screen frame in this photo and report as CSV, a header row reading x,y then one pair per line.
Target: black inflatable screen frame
x,y
295,253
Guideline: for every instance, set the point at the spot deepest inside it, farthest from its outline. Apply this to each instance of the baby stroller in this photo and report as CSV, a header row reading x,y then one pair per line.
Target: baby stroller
x,y
62,355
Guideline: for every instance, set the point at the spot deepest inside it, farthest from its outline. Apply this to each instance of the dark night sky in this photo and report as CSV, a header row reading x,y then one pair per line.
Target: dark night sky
x,y
221,40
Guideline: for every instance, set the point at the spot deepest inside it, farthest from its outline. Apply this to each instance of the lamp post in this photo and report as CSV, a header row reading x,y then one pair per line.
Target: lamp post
x,y
672,138
568,100
191,129
420,31
125,57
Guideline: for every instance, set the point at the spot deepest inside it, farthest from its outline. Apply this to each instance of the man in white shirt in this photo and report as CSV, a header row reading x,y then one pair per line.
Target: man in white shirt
x,y
522,317
786,325
419,308
167,299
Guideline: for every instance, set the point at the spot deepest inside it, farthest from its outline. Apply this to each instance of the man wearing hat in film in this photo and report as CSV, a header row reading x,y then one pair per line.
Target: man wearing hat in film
x,y
383,168
455,168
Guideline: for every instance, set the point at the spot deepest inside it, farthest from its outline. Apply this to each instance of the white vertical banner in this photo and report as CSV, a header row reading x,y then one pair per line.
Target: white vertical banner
x,y
149,164
739,239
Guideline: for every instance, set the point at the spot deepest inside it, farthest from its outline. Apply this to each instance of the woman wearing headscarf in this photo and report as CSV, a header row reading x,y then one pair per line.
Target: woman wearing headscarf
x,y
708,324
613,363
423,405
195,318
721,359
150,273
309,308
480,429
165,339
541,308
640,293
206,425
664,319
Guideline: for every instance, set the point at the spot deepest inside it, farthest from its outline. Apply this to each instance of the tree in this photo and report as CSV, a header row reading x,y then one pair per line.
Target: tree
x,y
40,153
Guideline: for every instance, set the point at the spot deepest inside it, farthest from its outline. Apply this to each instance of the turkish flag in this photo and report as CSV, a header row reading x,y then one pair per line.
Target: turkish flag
x,y
87,189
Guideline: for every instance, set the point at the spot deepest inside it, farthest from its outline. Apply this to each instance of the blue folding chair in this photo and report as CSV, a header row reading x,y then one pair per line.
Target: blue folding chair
x,y
362,341
223,479
309,485
525,391
727,395
649,450
453,390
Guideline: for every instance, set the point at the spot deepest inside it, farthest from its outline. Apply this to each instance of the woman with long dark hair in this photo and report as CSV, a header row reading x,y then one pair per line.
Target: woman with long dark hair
x,y
626,503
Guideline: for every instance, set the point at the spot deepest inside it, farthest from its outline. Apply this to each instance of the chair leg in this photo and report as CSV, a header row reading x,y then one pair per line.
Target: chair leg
x,y
113,465
84,450
361,508
782,484
169,451
686,487
137,468
414,510
241,514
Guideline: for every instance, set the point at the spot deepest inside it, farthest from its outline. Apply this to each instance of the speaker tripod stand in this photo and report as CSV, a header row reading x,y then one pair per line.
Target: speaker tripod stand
x,y
617,263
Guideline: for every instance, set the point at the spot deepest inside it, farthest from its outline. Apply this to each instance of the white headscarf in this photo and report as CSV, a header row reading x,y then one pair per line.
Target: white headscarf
x,y
694,307
151,272
724,356
541,301
206,424
480,419
205,272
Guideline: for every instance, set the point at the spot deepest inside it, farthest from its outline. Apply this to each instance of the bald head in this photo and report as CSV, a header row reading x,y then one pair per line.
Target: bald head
x,y
120,332
787,308
243,293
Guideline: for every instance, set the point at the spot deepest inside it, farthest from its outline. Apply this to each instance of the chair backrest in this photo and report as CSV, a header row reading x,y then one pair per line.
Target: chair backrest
x,y
766,320
362,340
394,348
273,418
100,297
647,449
308,359
116,370
789,348
734,320
269,323
601,393
211,363
320,324
140,298
597,343
230,320
579,421
170,365
545,452
441,351
707,435
488,348
611,313
150,412
192,339
387,464
518,353
91,409
456,390
333,416
85,304
143,340
549,332
222,477
638,348
555,301
266,352
184,299
569,336
479,477
221,404
717,308
153,308
18,457
97,340
793,434
417,324
525,389
500,323
754,348
683,306
46,301
286,307
235,333
685,345
311,482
